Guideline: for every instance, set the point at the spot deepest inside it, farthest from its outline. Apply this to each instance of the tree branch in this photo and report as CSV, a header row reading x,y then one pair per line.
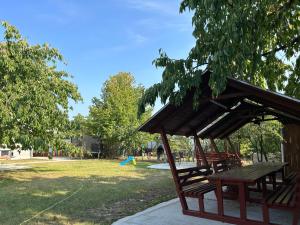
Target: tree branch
x,y
283,47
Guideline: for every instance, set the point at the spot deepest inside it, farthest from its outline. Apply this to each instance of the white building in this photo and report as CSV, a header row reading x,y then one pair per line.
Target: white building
x,y
7,153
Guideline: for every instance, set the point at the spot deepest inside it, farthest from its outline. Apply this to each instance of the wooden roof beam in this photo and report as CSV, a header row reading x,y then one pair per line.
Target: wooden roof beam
x,y
199,149
232,147
232,129
213,144
220,105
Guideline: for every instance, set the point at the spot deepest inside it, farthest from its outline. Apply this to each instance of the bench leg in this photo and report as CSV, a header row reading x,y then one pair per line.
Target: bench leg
x,y
266,216
273,176
183,202
296,217
201,203
259,185
264,186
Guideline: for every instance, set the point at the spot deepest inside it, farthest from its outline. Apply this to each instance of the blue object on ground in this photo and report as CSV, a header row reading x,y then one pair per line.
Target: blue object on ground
x,y
123,163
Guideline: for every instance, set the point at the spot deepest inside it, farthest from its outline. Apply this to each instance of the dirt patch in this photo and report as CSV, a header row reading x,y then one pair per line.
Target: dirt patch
x,y
109,213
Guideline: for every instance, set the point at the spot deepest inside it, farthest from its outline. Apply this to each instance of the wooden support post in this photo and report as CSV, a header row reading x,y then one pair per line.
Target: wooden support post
x,y
213,143
173,169
219,195
197,154
199,149
233,149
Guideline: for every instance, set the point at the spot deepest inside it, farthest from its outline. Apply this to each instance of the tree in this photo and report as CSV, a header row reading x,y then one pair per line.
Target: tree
x,y
77,126
255,41
113,116
260,139
34,94
182,144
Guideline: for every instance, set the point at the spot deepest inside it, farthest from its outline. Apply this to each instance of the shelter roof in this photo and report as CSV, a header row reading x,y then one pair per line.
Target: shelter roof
x,y
239,104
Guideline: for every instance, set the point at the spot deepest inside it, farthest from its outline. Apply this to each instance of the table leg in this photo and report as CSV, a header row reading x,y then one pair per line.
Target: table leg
x,y
219,195
259,185
282,175
242,195
274,181
264,186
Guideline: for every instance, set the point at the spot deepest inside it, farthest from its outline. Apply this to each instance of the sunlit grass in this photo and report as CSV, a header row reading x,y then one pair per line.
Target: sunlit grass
x,y
106,192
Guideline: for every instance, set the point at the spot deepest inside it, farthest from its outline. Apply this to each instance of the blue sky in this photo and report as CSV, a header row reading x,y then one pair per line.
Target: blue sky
x,y
102,38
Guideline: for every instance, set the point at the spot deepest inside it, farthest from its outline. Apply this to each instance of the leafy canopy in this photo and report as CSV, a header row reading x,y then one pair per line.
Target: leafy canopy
x,y
263,139
113,116
34,94
255,41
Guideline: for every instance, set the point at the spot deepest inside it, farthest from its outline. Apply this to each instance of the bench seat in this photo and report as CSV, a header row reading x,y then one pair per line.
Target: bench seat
x,y
291,177
283,197
199,190
193,183
287,197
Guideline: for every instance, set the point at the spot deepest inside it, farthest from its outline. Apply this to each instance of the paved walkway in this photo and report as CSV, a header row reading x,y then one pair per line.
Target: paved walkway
x,y
169,213
165,166
9,167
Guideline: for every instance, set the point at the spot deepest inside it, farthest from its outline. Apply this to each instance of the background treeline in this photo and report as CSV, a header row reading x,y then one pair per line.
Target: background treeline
x,y
113,118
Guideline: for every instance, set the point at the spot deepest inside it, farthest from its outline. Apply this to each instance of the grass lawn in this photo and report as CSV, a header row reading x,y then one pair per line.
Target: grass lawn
x,y
100,192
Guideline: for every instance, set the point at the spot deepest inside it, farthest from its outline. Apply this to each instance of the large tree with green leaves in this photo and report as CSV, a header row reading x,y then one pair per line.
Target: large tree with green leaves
x,y
255,41
34,94
113,116
263,139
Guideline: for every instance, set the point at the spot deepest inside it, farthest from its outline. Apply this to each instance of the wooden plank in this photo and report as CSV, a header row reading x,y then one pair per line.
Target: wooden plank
x,y
214,146
173,168
189,182
233,149
202,189
194,174
283,194
288,198
187,170
249,174
199,148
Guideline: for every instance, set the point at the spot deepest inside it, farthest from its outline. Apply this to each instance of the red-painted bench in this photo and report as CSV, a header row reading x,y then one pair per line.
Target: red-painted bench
x,y
193,183
290,178
226,164
220,166
287,197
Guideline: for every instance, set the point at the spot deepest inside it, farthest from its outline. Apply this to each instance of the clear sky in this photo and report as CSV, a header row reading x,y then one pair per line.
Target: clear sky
x,y
101,38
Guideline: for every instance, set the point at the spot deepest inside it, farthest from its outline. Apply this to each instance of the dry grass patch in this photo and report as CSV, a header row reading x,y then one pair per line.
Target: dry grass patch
x,y
104,190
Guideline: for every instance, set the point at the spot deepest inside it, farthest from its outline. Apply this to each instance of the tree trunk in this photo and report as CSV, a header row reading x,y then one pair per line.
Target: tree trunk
x,y
257,155
266,157
261,147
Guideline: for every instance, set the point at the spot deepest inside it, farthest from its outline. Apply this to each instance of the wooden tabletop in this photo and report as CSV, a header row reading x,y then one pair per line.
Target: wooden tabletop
x,y
249,173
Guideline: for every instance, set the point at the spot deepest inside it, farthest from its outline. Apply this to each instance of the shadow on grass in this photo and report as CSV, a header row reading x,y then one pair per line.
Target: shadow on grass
x,y
98,199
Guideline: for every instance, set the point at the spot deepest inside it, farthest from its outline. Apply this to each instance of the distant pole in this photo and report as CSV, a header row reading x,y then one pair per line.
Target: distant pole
x,y
50,153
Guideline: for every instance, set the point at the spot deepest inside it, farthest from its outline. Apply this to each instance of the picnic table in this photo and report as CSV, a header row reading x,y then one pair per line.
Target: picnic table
x,y
242,177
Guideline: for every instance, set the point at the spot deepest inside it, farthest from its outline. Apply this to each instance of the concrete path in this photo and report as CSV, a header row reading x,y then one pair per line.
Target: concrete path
x,y
169,213
165,166
9,167
39,160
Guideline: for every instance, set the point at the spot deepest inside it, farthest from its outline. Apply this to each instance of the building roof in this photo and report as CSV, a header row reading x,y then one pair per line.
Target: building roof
x,y
239,104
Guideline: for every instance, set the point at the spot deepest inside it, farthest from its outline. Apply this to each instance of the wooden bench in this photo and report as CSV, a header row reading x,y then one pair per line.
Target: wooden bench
x,y
220,166
287,197
226,164
290,178
193,183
